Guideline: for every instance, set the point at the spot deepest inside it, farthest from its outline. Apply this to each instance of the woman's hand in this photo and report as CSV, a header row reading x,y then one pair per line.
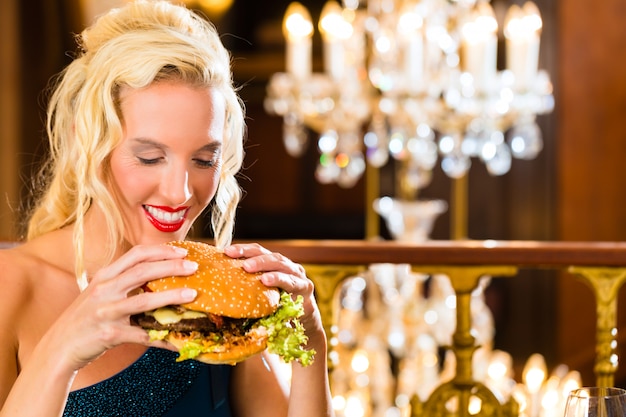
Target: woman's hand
x,y
309,392
279,271
99,318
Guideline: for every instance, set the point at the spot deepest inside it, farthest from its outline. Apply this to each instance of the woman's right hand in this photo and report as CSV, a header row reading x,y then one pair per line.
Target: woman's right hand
x,y
99,318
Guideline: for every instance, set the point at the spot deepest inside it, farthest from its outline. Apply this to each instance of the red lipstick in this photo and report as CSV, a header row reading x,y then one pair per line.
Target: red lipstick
x,y
166,219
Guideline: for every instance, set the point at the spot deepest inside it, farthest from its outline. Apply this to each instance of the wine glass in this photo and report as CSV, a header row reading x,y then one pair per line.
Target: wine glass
x,y
596,402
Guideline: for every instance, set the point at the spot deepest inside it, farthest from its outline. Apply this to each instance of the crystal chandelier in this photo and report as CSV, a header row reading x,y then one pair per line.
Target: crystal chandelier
x,y
412,81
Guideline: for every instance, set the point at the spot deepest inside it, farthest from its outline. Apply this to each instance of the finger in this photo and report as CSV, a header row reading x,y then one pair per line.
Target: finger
x,y
140,274
144,272
143,302
137,255
273,262
288,282
138,335
245,250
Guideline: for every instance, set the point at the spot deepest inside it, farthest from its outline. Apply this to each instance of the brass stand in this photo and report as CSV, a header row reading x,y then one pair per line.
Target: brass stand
x,y
327,279
464,280
372,191
605,283
459,208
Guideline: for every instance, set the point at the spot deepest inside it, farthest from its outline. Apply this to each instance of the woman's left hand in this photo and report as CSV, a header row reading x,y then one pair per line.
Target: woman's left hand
x,y
281,272
309,390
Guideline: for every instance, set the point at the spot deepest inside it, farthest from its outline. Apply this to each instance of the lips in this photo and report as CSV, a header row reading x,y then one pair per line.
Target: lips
x,y
166,219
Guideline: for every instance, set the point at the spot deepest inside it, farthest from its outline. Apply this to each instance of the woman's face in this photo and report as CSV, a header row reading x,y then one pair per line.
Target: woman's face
x,y
166,169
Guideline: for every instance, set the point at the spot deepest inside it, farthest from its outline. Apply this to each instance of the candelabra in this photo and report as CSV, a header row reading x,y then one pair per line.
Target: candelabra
x,y
392,349
415,82
412,81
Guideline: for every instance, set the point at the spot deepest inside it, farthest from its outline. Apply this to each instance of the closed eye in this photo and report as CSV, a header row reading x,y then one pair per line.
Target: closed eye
x,y
203,163
149,161
209,156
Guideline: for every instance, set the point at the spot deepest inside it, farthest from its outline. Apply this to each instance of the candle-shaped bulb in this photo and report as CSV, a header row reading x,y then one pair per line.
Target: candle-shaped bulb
x,y
534,373
522,22
332,25
522,31
570,382
500,365
412,44
513,22
298,30
486,19
481,24
480,46
335,29
532,17
410,22
297,23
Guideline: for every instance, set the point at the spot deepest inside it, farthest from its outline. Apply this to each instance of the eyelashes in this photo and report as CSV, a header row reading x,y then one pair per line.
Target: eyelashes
x,y
148,161
201,163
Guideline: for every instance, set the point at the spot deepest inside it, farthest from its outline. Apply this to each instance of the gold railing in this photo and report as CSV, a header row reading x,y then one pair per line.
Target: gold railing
x,y
602,265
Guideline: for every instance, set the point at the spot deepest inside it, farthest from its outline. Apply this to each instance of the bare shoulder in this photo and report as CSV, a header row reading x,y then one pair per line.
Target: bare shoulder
x,y
16,268
36,285
29,274
16,285
27,277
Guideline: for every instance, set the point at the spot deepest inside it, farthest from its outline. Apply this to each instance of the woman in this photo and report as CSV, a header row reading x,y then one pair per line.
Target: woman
x,y
146,132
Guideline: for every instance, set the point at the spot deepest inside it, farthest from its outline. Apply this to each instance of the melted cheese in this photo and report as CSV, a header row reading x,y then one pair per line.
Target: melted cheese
x,y
166,315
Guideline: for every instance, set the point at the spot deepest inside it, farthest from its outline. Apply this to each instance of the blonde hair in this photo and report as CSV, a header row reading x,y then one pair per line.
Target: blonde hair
x,y
136,45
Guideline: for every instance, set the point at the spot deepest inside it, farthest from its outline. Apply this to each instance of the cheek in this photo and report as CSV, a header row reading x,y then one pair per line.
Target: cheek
x,y
206,186
126,180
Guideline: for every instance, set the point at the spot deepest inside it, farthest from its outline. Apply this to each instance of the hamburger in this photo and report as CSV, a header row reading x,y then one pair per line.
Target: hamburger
x,y
233,317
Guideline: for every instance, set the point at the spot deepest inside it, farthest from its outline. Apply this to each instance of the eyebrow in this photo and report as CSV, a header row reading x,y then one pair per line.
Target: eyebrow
x,y
210,147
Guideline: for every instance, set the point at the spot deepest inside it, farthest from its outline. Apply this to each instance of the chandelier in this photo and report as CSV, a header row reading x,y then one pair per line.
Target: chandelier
x,y
415,81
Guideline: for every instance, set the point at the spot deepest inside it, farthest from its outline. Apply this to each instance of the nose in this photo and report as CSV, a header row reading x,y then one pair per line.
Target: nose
x,y
175,186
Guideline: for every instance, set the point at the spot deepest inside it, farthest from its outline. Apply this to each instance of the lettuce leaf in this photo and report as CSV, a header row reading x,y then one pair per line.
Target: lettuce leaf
x,y
286,333
190,350
286,336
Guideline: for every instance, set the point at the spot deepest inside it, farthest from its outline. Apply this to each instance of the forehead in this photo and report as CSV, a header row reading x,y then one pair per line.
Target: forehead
x,y
166,90
173,109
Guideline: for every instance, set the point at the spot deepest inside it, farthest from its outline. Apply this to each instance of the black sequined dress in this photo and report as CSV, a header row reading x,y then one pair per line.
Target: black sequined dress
x,y
156,386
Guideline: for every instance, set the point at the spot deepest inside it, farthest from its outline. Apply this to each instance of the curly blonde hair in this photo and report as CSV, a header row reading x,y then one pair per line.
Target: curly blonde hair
x,y
136,45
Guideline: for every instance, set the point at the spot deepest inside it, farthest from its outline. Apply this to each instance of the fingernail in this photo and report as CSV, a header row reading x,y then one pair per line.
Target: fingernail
x,y
234,250
190,265
189,293
179,250
248,264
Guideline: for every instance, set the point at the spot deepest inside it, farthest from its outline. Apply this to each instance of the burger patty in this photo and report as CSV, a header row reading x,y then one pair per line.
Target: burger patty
x,y
202,324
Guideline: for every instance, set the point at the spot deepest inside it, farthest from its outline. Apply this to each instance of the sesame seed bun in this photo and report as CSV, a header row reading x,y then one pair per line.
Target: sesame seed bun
x,y
224,287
